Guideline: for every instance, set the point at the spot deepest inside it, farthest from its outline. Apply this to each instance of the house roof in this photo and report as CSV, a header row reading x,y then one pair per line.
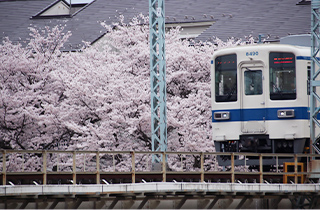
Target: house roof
x,y
15,17
273,18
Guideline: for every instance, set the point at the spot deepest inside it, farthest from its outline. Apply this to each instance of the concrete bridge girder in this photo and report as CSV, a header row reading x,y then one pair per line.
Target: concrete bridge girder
x,y
152,203
161,196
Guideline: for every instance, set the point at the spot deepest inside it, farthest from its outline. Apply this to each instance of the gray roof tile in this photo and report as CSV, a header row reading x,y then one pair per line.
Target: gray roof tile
x,y
233,18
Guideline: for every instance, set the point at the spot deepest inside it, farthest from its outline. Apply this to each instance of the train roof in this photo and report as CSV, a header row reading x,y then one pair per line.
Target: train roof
x,y
298,50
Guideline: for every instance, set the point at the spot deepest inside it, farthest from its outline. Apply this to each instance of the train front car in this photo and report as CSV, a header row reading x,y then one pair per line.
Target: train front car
x,y
260,101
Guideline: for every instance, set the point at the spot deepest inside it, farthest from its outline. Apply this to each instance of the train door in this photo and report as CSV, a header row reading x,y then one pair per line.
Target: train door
x,y
252,99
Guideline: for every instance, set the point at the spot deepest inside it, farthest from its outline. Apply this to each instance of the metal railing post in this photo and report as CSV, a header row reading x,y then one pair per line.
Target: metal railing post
x,y
202,166
133,167
113,162
98,168
44,169
295,169
74,169
164,169
4,168
58,157
261,168
232,168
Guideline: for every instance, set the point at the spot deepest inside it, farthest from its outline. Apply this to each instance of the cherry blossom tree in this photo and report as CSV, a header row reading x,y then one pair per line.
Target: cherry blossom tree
x,y
99,98
29,92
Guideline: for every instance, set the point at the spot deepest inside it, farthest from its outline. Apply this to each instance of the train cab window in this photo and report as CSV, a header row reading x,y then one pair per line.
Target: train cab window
x,y
253,82
282,76
226,78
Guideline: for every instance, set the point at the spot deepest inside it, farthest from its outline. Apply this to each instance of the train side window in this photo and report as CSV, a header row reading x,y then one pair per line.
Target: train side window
x,y
226,78
253,82
282,76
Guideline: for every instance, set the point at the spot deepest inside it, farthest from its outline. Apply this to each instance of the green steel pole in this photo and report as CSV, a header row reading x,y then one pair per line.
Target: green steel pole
x,y
158,78
314,79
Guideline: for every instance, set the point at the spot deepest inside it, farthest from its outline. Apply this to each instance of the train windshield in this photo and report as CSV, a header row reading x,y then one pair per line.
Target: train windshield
x,y
226,78
282,76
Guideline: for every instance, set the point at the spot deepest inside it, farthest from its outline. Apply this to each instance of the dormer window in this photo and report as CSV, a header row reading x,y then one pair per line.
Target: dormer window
x,y
62,8
304,2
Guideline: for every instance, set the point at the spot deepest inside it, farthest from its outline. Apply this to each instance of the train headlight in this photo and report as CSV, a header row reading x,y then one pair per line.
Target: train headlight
x,y
286,113
221,115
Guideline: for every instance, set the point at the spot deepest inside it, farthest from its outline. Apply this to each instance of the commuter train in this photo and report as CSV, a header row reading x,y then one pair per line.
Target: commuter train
x,y
260,101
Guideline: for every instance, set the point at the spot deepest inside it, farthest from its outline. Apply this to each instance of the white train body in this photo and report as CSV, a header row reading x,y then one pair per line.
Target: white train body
x,y
260,99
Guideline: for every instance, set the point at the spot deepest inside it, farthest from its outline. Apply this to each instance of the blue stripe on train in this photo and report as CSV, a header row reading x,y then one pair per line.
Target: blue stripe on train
x,y
301,113
308,58
304,58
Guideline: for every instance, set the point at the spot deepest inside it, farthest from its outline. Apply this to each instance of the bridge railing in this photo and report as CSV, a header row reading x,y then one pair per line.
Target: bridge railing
x,y
76,167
